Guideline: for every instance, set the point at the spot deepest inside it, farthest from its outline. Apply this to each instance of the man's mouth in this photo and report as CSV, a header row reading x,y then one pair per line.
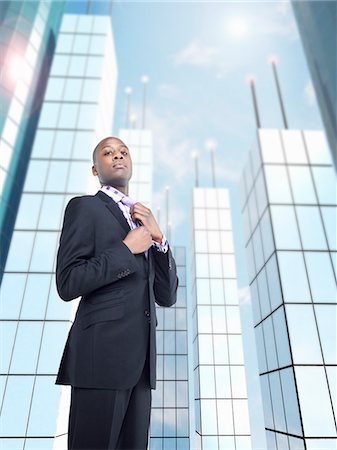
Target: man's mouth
x,y
119,166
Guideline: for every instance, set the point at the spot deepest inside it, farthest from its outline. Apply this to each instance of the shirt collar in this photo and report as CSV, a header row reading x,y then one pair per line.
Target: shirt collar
x,y
112,192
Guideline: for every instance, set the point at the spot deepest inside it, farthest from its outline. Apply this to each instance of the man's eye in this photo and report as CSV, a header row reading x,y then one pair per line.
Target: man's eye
x,y
124,153
108,152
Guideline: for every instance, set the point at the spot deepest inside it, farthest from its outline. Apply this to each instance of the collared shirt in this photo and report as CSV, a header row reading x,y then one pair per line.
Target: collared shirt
x,y
117,196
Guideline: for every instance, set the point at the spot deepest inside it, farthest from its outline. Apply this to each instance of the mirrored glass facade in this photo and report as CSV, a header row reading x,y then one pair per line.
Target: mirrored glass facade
x,y
77,111
221,404
316,21
27,44
169,429
289,212
140,143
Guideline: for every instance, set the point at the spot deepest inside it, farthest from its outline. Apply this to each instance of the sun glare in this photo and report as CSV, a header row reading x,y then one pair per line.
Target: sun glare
x,y
237,27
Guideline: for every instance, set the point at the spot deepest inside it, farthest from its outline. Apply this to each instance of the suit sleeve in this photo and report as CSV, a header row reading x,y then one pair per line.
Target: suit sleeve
x,y
78,270
165,280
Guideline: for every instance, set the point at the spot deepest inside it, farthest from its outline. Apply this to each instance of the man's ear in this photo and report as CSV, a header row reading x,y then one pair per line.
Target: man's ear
x,y
94,171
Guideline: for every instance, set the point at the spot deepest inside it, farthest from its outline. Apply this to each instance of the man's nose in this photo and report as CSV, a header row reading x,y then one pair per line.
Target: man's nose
x,y
118,155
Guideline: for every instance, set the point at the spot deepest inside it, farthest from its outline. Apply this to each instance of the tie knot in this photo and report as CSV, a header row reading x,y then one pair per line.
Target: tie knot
x,y
128,201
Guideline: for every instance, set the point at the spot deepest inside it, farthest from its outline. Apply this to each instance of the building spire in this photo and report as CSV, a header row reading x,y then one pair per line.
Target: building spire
x,y
279,94
251,82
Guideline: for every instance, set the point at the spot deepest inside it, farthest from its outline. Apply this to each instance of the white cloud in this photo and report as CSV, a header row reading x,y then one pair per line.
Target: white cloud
x,y
244,295
309,93
168,90
197,53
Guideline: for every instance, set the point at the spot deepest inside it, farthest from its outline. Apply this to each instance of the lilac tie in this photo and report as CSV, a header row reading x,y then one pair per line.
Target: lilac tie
x,y
128,201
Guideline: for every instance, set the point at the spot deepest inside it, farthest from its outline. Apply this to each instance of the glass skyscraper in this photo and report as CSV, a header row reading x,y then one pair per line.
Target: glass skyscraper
x,y
221,405
140,143
169,428
317,24
77,112
289,211
27,43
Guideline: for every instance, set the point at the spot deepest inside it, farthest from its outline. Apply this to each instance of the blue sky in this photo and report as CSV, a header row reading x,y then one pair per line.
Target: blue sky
x,y
198,56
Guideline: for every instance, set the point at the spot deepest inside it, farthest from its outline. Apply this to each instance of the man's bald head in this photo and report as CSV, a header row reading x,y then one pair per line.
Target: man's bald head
x,y
101,144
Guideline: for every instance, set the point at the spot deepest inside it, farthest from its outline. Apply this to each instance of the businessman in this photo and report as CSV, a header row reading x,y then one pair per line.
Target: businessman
x,y
114,256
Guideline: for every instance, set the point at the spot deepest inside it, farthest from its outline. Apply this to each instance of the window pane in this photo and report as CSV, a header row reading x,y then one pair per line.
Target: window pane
x,y
55,89
231,292
35,298
215,266
207,382
275,294
219,319
277,401
263,294
36,176
43,143
201,262
293,277
277,184
204,319
49,115
57,176
223,382
326,319
233,319
281,338
44,252
260,346
73,90
208,417
235,349
220,350
303,334
266,232
26,347
325,181
11,294
225,417
330,224
321,277
200,241
77,66
290,402
271,146
51,348
315,402
302,186
241,417
203,291
294,146
216,290
18,392
270,345
228,266
52,212
20,251
283,218
311,228
46,398
317,147
238,380
28,211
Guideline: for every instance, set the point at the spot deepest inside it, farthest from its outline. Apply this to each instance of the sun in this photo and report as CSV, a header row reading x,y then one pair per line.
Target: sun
x,y
237,27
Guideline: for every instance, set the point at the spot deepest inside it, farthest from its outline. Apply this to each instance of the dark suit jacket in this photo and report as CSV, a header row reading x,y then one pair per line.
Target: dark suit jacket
x,y
115,321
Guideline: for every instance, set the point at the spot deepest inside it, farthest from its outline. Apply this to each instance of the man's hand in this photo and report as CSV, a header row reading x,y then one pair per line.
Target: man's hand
x,y
138,240
144,214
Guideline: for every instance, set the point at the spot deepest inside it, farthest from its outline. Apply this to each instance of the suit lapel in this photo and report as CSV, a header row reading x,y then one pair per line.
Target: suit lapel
x,y
114,209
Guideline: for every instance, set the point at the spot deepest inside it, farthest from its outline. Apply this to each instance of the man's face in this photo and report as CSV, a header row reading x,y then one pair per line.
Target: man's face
x,y
112,163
